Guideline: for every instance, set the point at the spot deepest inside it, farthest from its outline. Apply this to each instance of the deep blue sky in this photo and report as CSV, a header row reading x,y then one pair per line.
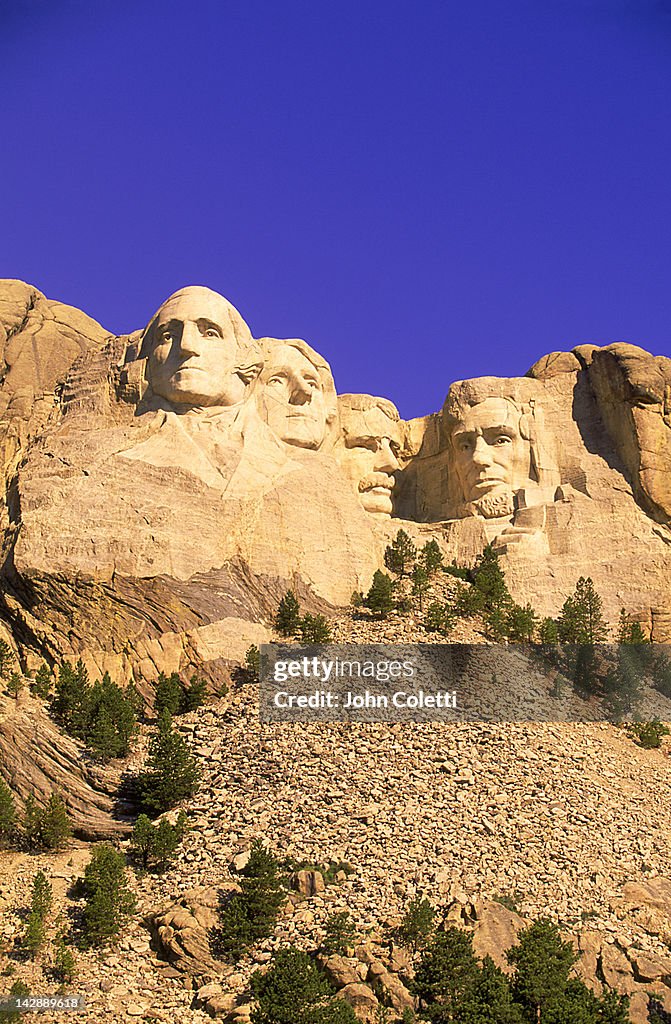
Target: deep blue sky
x,y
425,191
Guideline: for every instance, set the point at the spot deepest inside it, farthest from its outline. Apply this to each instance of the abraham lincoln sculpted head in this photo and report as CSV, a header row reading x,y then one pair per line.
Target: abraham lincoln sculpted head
x,y
199,351
495,451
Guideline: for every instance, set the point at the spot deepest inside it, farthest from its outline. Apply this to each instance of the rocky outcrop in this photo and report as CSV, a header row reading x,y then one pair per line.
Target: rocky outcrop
x,y
165,488
633,393
180,931
37,758
39,342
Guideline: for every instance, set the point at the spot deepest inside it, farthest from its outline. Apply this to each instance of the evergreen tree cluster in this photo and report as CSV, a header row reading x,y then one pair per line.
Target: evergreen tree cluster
x,y
455,986
251,914
402,558
103,715
39,828
295,991
489,597
44,828
288,621
173,696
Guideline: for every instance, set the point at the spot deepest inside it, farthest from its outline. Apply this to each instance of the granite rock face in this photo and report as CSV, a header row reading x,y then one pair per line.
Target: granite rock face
x,y
163,489
37,758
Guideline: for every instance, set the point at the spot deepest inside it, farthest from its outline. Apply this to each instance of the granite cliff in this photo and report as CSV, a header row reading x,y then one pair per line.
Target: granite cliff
x,y
162,489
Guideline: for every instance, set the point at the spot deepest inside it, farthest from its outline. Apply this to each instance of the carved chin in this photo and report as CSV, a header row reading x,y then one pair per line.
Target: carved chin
x,y
493,506
378,501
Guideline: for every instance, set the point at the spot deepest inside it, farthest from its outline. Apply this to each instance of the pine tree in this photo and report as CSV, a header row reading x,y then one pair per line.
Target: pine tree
x,y
111,720
496,624
585,667
55,825
315,629
102,738
624,684
491,999
400,555
251,914
42,683
339,934
439,618
521,623
542,962
431,557
548,632
417,924
447,974
69,704
420,583
288,618
581,620
64,962
7,813
34,935
253,663
15,685
40,904
629,631
156,845
31,825
380,597
42,895
6,659
171,773
489,591
193,695
168,695
109,902
135,700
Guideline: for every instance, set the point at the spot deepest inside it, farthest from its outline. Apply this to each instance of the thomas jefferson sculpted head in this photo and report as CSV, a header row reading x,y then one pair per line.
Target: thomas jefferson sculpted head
x,y
199,350
296,395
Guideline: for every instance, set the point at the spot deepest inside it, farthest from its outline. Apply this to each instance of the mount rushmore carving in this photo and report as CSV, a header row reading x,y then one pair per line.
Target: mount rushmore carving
x,y
164,488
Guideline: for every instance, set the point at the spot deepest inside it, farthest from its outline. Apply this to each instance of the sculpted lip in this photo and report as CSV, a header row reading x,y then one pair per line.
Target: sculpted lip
x,y
486,481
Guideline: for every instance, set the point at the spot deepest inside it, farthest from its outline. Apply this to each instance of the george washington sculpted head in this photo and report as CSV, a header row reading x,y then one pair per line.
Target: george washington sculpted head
x,y
199,350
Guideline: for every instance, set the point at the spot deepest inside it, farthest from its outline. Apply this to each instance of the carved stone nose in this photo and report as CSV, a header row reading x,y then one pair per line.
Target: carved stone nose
x,y
385,460
190,340
301,394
